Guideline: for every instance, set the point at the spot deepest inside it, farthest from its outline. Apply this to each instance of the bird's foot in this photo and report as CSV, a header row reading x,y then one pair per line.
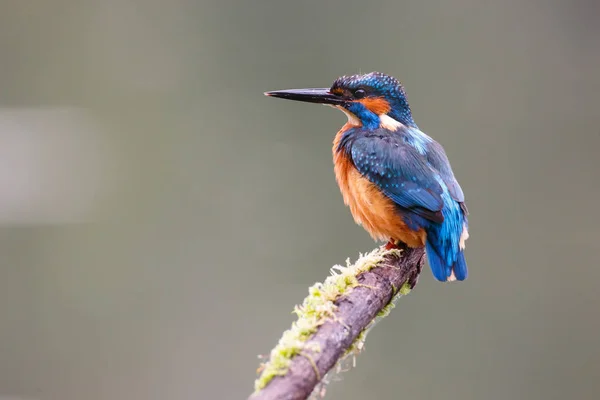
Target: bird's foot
x,y
392,244
396,244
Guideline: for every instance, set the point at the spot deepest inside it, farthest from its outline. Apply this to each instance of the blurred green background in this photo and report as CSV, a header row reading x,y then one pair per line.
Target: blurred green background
x,y
160,217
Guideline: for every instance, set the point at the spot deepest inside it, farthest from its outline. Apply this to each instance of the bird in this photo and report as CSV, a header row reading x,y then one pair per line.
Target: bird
x,y
396,179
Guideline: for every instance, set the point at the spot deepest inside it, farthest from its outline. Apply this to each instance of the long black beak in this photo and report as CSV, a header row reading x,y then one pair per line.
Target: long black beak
x,y
321,95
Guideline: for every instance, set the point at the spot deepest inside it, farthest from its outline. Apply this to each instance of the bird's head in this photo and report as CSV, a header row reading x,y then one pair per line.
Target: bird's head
x,y
370,100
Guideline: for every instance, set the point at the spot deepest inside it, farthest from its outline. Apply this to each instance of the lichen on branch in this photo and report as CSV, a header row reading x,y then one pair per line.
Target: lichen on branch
x,y
378,278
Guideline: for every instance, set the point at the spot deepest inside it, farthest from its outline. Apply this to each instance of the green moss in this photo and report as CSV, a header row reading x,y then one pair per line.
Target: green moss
x,y
317,308
385,311
405,289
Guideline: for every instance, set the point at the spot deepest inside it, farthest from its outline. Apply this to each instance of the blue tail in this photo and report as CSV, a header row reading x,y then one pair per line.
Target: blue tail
x,y
442,267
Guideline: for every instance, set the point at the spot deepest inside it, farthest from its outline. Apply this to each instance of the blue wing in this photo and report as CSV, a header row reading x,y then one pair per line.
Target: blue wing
x,y
436,156
400,171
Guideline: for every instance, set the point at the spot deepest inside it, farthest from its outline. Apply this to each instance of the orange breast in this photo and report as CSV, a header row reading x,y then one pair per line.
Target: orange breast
x,y
368,205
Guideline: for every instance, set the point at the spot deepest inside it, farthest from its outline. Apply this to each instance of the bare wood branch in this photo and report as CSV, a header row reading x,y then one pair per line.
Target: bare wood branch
x,y
354,312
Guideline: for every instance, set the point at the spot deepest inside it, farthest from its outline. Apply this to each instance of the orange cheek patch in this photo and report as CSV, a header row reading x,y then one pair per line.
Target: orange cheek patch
x,y
376,105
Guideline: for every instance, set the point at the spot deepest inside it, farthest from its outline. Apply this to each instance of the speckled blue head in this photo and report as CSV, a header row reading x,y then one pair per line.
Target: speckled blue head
x,y
376,92
366,97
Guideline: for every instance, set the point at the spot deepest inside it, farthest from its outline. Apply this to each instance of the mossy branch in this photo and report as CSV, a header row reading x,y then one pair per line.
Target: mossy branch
x,y
334,319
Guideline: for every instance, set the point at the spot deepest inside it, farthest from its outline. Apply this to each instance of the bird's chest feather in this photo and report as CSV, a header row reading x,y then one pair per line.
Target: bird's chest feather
x,y
370,208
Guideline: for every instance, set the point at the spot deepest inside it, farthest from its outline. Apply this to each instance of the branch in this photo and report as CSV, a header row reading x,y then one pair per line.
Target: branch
x,y
334,319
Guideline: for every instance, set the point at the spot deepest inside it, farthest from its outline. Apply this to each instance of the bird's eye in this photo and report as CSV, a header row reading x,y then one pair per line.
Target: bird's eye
x,y
359,93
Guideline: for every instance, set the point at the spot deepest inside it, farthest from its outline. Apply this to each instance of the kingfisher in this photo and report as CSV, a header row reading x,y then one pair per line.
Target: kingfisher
x,y
396,180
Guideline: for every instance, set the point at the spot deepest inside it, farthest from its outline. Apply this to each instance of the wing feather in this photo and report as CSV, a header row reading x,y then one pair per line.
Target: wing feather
x,y
400,171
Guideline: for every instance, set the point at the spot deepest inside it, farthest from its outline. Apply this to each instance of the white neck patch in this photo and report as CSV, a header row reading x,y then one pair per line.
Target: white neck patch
x,y
352,119
390,123
385,121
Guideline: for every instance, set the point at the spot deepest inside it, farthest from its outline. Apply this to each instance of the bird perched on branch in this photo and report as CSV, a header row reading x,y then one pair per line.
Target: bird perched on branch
x,y
396,180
